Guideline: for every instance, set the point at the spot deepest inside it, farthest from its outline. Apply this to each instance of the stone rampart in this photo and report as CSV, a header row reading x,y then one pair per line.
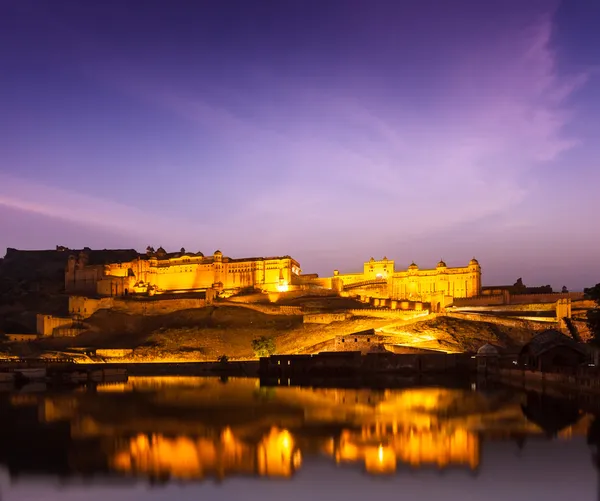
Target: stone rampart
x,y
544,298
68,331
47,324
513,299
85,307
507,322
325,318
385,313
156,306
480,301
507,308
21,337
364,343
113,353
267,309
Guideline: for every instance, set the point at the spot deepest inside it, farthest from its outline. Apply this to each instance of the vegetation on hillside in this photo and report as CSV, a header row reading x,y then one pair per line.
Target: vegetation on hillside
x,y
263,346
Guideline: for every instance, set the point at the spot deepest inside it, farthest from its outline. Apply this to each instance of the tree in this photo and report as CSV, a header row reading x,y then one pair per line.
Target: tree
x,y
593,315
149,250
182,250
564,289
263,346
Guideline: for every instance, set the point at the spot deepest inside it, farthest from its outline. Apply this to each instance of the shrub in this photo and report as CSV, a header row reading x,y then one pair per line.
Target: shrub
x,y
263,346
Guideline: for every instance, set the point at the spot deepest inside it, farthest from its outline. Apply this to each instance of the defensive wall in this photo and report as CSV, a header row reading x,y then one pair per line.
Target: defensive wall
x,y
157,306
113,353
267,308
47,324
325,318
21,337
365,342
508,308
506,298
531,325
85,307
387,313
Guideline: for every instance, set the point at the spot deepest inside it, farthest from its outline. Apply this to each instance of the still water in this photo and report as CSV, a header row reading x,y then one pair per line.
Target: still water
x,y
186,438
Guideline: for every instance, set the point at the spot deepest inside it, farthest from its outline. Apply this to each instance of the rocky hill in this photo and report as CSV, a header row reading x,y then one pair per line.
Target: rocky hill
x,y
205,334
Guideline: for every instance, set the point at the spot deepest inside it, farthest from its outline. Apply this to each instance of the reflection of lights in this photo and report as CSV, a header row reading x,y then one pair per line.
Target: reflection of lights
x,y
227,436
380,453
277,455
283,286
285,440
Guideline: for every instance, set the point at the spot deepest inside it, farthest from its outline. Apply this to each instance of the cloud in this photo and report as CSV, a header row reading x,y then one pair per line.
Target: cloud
x,y
94,212
335,166
342,164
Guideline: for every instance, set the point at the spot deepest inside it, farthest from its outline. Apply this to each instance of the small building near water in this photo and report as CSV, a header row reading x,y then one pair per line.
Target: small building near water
x,y
488,359
551,351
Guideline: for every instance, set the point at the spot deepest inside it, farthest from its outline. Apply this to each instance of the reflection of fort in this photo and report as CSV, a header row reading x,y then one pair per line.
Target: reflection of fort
x,y
196,428
188,458
380,449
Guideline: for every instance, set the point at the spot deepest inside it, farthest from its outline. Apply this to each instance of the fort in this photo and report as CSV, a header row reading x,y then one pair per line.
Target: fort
x,y
185,304
162,272
158,272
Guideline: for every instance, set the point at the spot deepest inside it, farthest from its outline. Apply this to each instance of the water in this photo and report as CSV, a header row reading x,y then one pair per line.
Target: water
x,y
172,438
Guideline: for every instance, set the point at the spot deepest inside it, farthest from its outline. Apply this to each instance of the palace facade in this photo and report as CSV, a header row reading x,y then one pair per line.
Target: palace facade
x,y
414,283
162,272
124,272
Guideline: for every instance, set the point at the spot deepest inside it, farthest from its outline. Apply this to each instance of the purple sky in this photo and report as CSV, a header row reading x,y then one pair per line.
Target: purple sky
x,y
329,130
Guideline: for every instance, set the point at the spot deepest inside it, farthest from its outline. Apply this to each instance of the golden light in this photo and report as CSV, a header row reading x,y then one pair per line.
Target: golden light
x,y
283,286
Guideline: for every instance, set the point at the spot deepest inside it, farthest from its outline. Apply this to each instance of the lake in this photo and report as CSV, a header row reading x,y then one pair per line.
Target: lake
x,y
191,438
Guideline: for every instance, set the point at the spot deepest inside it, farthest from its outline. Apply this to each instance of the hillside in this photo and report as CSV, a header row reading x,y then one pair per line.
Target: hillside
x,y
207,333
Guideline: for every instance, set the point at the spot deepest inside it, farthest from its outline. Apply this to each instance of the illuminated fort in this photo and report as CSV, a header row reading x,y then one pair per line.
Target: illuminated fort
x,y
162,272
414,283
159,272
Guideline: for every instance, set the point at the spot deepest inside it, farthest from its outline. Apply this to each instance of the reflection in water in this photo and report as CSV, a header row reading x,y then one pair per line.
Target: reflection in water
x,y
194,428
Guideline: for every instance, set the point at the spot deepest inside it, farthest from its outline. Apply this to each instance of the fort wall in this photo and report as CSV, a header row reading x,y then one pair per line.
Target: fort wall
x,y
113,353
85,307
268,309
156,306
544,298
530,325
46,324
365,343
21,337
325,318
508,307
385,313
506,298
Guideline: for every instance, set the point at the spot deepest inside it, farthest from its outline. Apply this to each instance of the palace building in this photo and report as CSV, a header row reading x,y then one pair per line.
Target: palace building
x,y
125,272
414,283
162,272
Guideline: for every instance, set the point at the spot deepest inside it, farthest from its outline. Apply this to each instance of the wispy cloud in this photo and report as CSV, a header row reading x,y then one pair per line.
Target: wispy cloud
x,y
335,166
97,213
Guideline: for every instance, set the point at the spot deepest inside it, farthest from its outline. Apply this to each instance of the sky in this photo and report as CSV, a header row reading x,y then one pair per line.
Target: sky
x,y
329,130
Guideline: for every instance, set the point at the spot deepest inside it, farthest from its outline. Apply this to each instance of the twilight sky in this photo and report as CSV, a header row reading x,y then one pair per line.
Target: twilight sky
x,y
331,130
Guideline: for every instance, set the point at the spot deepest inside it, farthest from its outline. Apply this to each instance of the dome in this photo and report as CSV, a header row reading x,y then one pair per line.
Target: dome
x,y
218,253
487,350
441,264
160,250
473,262
413,266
